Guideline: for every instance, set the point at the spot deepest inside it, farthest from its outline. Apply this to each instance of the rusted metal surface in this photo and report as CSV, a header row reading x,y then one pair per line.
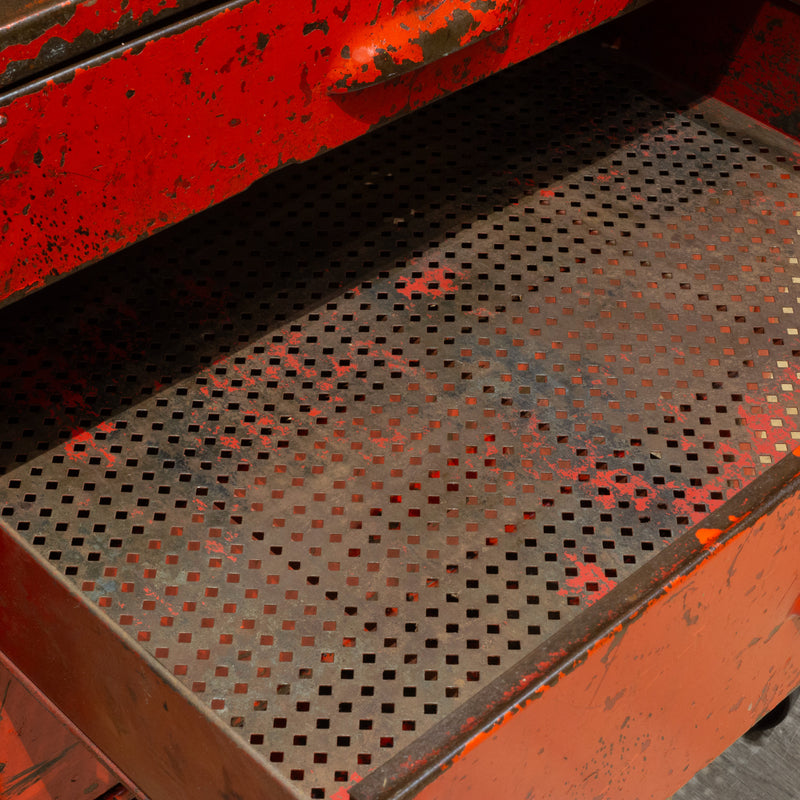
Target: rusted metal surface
x,y
41,758
119,792
331,460
121,699
36,35
708,635
94,158
745,54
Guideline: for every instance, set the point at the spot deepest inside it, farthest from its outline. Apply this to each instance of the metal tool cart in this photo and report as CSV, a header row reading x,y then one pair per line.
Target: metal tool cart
x,y
462,459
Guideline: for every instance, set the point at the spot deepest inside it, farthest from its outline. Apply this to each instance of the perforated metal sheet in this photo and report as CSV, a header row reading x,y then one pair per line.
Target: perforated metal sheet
x,y
342,450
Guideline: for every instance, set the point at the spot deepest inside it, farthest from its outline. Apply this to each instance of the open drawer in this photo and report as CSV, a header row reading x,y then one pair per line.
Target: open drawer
x,y
457,460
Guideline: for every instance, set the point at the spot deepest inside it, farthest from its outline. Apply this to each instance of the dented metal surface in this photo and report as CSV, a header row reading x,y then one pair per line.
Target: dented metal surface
x,y
93,158
330,461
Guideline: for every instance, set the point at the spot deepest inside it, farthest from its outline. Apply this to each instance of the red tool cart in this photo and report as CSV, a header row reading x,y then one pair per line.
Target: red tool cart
x,y
460,460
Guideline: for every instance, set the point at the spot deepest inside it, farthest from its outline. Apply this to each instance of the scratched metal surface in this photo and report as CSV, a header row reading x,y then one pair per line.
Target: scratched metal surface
x,y
41,758
764,765
345,448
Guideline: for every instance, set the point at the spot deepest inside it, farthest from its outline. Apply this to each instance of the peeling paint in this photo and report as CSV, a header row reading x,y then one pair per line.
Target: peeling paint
x,y
411,40
115,151
31,42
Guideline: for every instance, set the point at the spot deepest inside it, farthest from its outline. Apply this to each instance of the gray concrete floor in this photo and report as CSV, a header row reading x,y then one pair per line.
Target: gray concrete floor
x,y
766,768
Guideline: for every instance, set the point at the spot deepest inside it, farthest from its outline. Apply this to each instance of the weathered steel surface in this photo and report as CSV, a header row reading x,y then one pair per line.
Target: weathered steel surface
x,y
709,635
107,152
123,700
742,53
41,34
339,454
40,757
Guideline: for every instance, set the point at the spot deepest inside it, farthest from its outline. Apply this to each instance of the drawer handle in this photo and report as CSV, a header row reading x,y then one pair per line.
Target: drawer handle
x,y
412,38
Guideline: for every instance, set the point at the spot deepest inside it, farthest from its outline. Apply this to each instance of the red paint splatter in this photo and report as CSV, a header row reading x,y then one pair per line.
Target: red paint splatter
x,y
344,794
576,585
153,595
81,446
215,548
434,282
480,312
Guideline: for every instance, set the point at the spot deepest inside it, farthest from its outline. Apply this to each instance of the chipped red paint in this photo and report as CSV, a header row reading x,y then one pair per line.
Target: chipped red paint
x,y
94,159
707,535
35,35
413,37
40,757
344,794
434,282
745,54
83,444
611,484
735,581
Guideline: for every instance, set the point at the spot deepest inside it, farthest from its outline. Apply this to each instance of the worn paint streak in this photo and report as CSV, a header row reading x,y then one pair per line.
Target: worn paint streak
x,y
39,755
17,784
5,698
589,575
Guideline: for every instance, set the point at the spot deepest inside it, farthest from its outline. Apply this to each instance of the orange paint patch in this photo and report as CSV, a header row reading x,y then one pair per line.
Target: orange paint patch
x,y
480,737
706,535
343,793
